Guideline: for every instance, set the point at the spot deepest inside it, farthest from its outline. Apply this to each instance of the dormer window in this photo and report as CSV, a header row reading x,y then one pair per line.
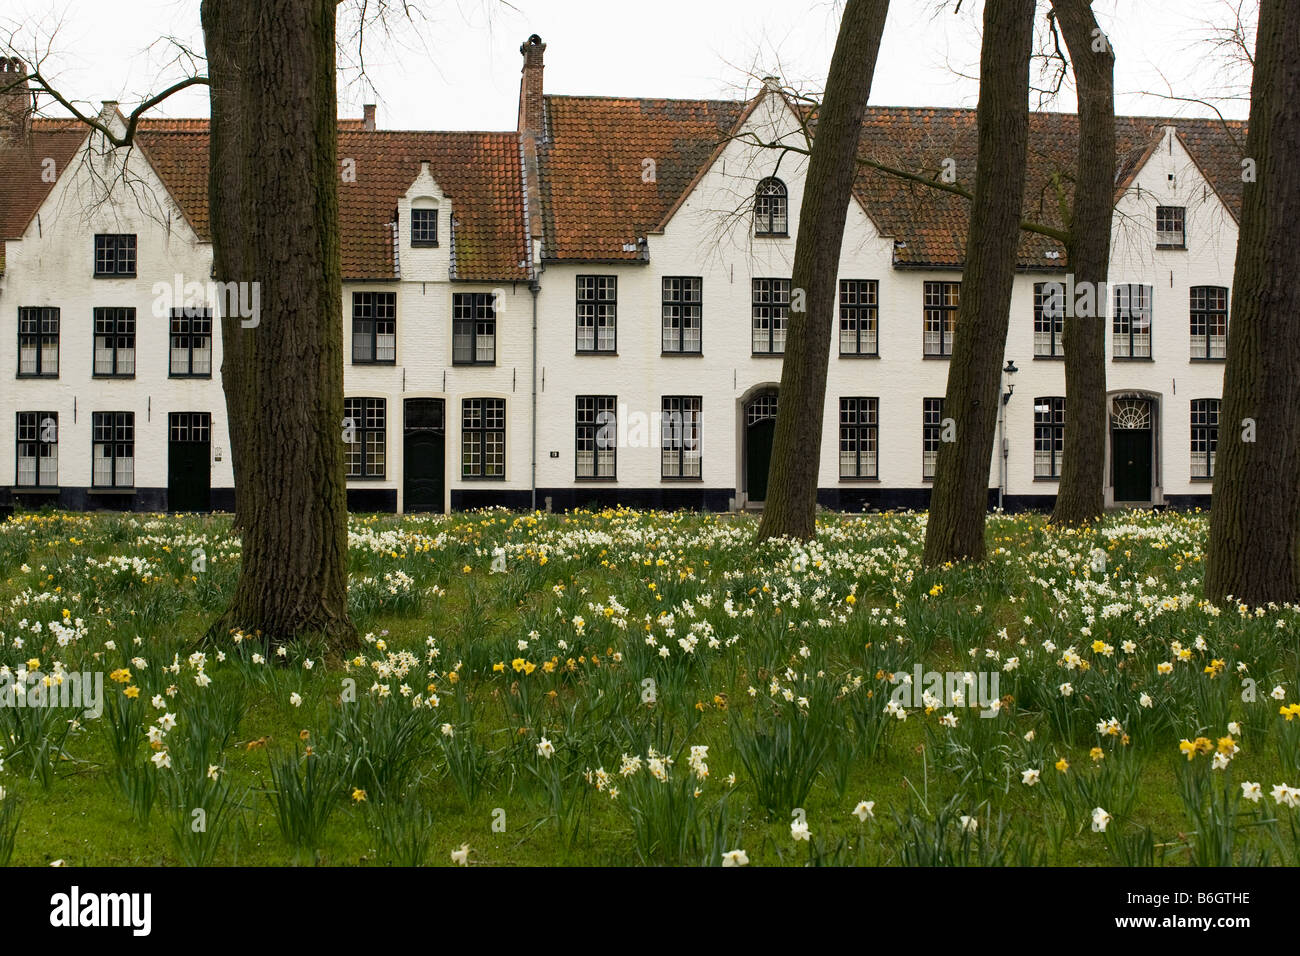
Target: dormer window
x,y
424,227
771,209
1171,224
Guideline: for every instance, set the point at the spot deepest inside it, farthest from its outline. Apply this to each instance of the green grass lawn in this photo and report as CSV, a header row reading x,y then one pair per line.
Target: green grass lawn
x,y
625,687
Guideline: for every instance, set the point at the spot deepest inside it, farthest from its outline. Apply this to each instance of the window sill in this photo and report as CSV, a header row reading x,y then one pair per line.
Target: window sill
x,y
366,479
424,245
1171,247
1048,478
681,354
35,489
113,275
1202,479
37,375
483,478
686,480
606,352
385,362
946,358
1208,361
859,481
111,491
1132,358
126,376
767,355
596,479
771,235
1049,358
202,376
473,364
859,355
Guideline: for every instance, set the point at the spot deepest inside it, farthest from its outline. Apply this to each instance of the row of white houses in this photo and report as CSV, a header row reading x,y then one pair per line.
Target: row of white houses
x,y
591,309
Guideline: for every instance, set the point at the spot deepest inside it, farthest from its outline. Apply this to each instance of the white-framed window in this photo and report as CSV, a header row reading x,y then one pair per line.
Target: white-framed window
x,y
38,449
1131,326
683,308
483,438
859,438
597,329
1205,436
942,300
771,315
365,422
859,316
595,437
1049,436
1049,319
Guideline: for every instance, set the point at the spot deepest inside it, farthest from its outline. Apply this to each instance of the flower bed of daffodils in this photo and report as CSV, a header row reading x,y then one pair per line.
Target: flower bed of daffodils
x,y
623,687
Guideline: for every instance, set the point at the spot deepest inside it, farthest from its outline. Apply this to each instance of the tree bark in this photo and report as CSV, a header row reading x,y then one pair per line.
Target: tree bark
x,y
1079,497
959,501
791,505
1254,519
273,199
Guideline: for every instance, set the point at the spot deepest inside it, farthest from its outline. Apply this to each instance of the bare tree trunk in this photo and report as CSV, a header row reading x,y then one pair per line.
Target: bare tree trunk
x,y
791,505
959,501
1079,497
1254,519
273,195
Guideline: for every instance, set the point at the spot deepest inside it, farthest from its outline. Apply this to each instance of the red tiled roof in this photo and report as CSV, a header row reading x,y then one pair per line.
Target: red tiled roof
x,y
480,172
595,200
22,185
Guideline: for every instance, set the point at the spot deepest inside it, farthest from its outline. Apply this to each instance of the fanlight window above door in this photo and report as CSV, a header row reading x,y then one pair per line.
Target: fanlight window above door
x,y
761,408
1130,414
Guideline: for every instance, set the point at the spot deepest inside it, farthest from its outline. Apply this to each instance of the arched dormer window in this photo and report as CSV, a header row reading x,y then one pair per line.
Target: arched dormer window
x,y
771,209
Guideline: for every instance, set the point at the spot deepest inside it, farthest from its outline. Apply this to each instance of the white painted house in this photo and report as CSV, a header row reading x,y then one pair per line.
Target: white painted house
x,y
591,310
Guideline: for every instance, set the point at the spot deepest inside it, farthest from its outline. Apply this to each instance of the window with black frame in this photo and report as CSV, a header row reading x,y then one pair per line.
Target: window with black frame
x,y
483,438
38,342
859,312
365,423
859,438
191,343
1205,436
374,328
1049,436
473,328
114,343
38,449
113,439
596,437
682,314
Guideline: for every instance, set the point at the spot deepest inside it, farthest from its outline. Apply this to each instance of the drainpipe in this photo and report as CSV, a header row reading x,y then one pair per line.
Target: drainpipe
x,y
534,287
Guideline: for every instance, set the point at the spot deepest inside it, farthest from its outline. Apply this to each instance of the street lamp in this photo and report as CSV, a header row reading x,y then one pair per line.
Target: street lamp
x,y
1008,377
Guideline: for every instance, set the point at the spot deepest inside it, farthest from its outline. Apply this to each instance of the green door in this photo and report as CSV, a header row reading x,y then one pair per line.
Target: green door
x,y
758,457
423,462
1130,451
189,461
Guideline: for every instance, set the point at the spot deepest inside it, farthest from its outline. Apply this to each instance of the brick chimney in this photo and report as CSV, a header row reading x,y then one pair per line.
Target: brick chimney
x,y
16,101
532,125
530,88
368,123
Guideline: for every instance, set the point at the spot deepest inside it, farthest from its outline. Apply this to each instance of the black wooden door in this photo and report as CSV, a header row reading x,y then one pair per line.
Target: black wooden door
x,y
758,457
423,456
1131,454
189,461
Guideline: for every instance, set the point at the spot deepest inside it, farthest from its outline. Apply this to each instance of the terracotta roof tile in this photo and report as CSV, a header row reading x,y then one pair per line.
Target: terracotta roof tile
x,y
595,201
481,172
22,186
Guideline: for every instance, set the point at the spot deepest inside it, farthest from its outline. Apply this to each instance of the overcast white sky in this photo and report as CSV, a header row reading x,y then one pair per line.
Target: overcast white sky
x,y
460,68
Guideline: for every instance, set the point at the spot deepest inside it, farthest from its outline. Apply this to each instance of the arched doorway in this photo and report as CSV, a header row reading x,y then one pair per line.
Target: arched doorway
x,y
760,427
1132,449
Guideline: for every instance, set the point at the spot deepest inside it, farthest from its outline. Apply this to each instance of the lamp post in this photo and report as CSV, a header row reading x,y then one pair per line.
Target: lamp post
x,y
1008,380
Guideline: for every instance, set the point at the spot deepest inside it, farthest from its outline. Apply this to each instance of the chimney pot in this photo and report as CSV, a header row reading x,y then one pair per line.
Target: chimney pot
x,y
368,122
17,102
